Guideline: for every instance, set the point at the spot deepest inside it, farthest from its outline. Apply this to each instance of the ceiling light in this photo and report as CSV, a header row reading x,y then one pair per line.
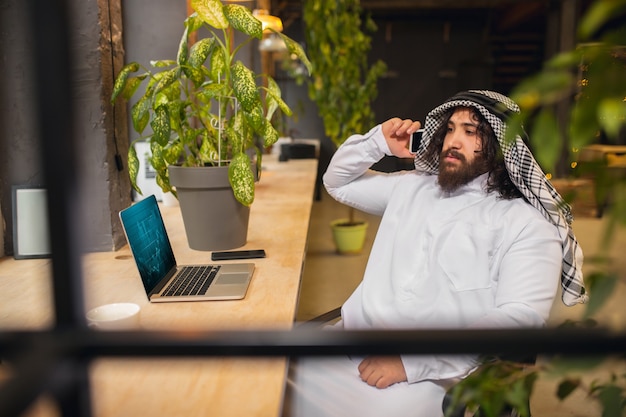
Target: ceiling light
x,y
269,22
272,43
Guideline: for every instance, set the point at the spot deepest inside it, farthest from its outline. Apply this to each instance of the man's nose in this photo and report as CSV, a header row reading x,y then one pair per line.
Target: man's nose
x,y
454,140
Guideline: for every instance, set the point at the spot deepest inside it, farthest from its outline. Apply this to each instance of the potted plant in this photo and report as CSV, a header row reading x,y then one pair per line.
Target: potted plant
x,y
209,116
342,85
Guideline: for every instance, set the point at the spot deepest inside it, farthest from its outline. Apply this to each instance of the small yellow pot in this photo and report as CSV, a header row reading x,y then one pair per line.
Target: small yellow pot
x,y
349,238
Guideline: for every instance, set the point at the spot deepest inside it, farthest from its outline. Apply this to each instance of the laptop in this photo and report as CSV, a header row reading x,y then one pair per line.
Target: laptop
x,y
163,279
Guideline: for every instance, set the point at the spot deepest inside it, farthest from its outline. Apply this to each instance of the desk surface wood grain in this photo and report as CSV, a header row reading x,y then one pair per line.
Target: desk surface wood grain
x,y
279,222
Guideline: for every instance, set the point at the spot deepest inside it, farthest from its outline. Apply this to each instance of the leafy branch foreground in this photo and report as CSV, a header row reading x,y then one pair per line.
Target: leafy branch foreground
x,y
499,384
591,79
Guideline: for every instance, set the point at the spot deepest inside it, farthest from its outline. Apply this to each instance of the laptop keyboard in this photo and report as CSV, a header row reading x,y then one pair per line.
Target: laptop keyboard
x,y
192,280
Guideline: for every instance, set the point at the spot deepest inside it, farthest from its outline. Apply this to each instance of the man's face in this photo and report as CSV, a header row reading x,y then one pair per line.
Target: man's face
x,y
461,160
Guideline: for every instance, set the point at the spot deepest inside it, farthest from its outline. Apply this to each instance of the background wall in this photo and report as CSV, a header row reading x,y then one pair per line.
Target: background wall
x,y
431,54
19,159
95,53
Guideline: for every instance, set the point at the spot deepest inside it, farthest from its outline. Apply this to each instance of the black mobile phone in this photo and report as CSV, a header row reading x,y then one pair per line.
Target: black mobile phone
x,y
237,254
416,139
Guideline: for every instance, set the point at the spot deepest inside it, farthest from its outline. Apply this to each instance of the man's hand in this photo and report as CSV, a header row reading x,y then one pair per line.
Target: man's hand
x,y
397,133
382,371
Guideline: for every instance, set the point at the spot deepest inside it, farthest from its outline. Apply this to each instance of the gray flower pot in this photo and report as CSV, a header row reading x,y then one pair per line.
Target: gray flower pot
x,y
213,218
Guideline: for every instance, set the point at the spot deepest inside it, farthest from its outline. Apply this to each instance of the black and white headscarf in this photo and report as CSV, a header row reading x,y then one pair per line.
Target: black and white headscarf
x,y
524,172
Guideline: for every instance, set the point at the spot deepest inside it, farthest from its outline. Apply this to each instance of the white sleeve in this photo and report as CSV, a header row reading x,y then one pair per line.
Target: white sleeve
x,y
437,367
349,179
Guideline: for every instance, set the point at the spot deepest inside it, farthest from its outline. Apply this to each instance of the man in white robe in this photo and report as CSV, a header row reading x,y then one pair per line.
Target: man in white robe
x,y
473,238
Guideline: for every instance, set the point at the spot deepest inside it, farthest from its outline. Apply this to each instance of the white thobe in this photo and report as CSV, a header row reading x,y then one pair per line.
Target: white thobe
x,y
466,259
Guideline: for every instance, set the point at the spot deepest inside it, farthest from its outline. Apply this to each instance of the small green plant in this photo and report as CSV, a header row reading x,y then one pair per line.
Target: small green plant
x,y
343,84
205,107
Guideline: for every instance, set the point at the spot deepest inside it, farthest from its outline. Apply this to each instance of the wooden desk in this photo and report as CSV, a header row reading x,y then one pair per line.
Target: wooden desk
x,y
279,223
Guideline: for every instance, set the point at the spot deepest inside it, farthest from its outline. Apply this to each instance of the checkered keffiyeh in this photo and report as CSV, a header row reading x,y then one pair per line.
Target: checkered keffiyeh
x,y
525,174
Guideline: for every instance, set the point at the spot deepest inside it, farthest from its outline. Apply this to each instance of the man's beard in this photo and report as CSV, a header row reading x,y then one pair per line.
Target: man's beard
x,y
451,177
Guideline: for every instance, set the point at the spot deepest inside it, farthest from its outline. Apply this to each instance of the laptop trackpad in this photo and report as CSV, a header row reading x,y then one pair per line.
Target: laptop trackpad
x,y
232,279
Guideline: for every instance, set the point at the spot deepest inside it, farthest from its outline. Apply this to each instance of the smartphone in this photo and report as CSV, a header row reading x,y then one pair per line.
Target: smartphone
x,y
414,142
237,254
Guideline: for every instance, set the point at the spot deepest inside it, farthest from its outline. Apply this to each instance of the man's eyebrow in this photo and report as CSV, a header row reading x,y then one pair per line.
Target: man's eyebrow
x,y
464,124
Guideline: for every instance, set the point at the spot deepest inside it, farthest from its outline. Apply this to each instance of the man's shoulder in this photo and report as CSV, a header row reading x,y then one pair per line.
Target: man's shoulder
x,y
520,212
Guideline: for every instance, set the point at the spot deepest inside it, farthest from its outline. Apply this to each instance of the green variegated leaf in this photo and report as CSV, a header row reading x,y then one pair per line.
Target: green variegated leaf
x,y
207,150
140,114
270,135
211,12
189,161
120,82
193,23
162,63
172,153
163,180
294,48
183,48
168,94
241,179
237,122
218,66
235,133
156,157
274,100
133,168
200,51
210,91
160,100
161,125
270,102
176,111
195,75
190,137
132,84
166,80
242,19
244,86
255,118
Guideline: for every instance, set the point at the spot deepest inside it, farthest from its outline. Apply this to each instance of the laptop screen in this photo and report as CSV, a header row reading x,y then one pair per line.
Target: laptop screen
x,y
148,241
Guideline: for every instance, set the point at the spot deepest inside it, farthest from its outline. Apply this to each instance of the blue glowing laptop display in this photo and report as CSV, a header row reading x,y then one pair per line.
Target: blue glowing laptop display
x,y
163,279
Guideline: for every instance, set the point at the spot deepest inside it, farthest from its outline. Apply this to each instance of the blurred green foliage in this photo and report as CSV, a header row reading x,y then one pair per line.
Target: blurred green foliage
x,y
343,83
591,81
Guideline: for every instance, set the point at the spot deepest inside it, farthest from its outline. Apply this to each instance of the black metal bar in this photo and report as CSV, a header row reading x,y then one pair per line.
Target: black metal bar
x,y
90,344
63,356
70,386
31,376
51,26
